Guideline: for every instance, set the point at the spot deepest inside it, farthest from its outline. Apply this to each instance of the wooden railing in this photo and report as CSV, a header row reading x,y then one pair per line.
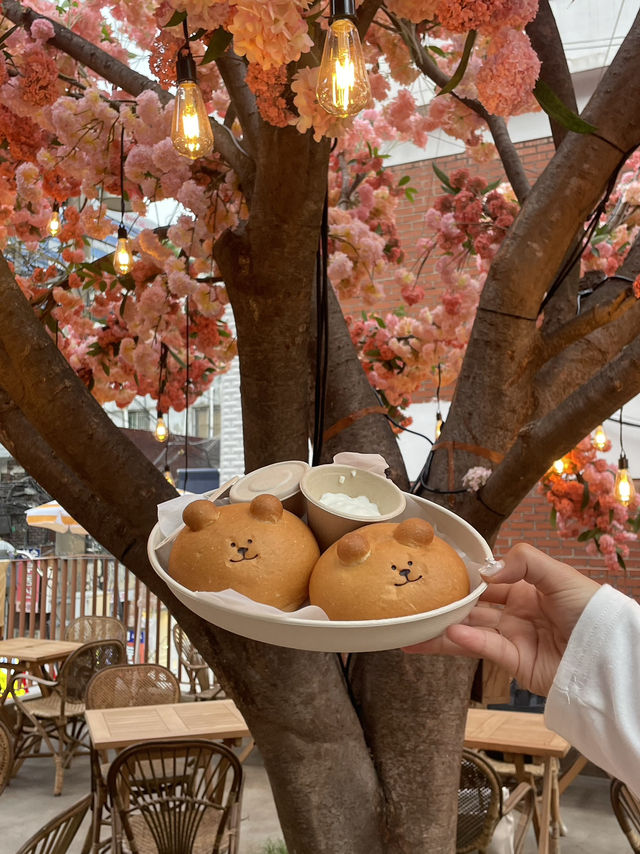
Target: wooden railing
x,y
43,595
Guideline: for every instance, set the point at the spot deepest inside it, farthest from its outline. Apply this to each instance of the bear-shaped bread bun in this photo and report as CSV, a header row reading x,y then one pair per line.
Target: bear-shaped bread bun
x,y
387,570
258,549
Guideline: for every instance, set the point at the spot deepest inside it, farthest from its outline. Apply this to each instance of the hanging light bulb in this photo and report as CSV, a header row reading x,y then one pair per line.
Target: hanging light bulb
x,y
439,424
624,488
343,84
599,440
559,466
191,132
54,224
168,476
162,431
122,257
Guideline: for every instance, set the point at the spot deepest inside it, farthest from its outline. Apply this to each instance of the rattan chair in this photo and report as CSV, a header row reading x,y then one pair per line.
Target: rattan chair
x,y
627,810
6,755
170,796
89,628
57,717
56,835
117,687
202,682
481,806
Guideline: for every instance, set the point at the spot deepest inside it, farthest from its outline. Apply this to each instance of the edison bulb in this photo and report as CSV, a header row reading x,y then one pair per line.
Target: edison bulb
x,y
600,440
122,257
54,222
624,488
191,129
168,476
162,431
343,84
558,466
439,424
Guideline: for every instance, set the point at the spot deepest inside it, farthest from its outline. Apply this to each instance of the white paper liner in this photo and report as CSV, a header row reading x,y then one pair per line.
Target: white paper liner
x,y
170,520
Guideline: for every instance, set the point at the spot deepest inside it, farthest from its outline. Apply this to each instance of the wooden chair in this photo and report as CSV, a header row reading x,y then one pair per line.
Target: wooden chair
x,y
57,717
627,810
481,806
202,683
56,835
170,796
6,755
88,628
119,687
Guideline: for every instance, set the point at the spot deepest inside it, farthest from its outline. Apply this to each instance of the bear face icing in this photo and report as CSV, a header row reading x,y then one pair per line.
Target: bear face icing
x,y
387,570
258,549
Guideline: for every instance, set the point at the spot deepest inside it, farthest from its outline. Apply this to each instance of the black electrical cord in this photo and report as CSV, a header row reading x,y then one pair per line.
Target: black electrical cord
x,y
322,333
186,401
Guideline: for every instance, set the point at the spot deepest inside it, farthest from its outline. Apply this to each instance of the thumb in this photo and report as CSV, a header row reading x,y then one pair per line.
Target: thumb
x,y
524,562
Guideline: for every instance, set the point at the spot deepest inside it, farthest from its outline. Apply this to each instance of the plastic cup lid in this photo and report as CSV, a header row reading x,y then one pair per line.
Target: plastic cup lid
x,y
279,479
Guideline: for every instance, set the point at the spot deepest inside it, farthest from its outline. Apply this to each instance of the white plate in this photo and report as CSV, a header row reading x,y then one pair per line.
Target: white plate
x,y
348,635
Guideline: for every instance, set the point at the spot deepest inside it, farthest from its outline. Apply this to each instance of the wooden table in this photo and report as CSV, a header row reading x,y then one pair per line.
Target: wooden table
x,y
31,654
113,729
524,734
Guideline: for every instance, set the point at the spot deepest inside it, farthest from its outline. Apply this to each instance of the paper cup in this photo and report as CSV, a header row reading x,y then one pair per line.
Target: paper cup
x,y
329,524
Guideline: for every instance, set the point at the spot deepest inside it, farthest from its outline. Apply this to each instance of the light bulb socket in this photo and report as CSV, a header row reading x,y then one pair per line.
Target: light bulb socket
x,y
56,207
341,9
186,66
122,232
623,462
159,414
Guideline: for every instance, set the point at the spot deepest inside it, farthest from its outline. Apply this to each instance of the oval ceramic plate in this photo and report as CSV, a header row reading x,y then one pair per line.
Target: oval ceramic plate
x,y
347,635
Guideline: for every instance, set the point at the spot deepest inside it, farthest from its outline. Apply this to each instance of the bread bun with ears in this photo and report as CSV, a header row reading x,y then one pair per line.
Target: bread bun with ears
x,y
387,570
258,549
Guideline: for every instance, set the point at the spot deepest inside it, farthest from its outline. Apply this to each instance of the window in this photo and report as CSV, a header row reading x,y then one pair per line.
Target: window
x,y
139,419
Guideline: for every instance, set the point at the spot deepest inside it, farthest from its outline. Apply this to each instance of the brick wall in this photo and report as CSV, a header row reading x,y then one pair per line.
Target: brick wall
x,y
530,523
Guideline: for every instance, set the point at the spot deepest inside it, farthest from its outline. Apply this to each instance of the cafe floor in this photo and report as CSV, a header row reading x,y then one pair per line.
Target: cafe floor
x,y
28,803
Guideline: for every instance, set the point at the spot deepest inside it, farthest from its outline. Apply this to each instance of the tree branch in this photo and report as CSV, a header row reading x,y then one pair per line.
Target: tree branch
x,y
513,167
541,442
116,72
546,41
233,70
582,324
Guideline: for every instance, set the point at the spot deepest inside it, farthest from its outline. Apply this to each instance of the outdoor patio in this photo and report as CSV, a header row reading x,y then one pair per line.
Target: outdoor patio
x,y
28,803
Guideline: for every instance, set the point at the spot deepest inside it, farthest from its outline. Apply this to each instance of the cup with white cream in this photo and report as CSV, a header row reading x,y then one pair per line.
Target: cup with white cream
x,y
342,498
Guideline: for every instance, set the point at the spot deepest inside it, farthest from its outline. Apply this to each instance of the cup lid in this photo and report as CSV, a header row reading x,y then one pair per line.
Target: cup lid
x,y
279,479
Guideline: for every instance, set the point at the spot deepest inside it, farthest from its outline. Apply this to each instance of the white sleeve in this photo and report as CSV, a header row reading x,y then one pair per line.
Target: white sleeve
x,y
594,701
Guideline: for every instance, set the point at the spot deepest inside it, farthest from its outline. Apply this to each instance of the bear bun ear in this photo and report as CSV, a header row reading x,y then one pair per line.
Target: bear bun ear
x,y
353,549
414,532
266,508
199,514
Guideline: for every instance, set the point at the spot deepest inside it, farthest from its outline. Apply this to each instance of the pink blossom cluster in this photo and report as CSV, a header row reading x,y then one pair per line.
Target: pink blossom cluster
x,y
271,32
584,505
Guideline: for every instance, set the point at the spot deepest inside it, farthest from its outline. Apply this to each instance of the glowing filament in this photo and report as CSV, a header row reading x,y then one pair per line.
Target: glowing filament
x,y
162,431
343,84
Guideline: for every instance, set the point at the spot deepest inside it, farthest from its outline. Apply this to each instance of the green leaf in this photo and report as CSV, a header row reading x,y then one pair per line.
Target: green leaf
x,y
458,74
554,517
123,304
437,50
621,561
585,496
218,43
411,193
586,535
176,18
443,178
557,110
404,180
